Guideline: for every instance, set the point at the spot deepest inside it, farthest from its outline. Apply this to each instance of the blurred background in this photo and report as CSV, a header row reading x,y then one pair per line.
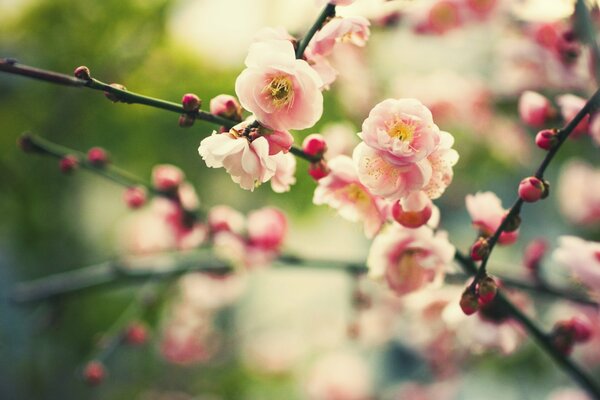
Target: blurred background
x,y
285,321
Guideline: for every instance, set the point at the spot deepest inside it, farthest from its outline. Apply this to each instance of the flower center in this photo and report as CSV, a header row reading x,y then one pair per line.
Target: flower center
x,y
281,91
355,193
402,130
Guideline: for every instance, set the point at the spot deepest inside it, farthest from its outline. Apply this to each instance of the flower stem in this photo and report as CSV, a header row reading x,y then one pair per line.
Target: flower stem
x,y
328,11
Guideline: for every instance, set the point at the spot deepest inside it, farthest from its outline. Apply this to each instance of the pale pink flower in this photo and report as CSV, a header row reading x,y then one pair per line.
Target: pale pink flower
x,y
581,258
283,92
441,160
267,228
279,141
270,33
340,138
322,66
409,258
438,17
534,109
579,192
210,292
285,172
339,376
274,352
166,177
388,180
481,8
225,218
248,162
402,130
354,30
570,105
342,190
487,213
187,345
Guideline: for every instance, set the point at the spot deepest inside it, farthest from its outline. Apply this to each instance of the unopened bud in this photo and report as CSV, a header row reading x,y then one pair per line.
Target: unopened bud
x,y
413,211
82,72
487,290
115,97
531,189
166,177
582,330
226,106
190,102
135,196
68,163
546,138
136,334
186,120
314,145
469,302
480,249
97,156
94,373
318,170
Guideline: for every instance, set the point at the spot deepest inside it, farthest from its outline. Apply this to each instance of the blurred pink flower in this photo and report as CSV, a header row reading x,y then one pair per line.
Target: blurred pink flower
x,y
487,213
581,258
570,105
409,258
441,160
579,192
534,109
354,30
267,228
402,130
342,190
226,106
568,394
283,92
225,218
285,172
166,177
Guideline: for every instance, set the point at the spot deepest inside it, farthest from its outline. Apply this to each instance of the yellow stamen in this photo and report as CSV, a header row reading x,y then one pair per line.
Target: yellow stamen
x,y
401,130
281,91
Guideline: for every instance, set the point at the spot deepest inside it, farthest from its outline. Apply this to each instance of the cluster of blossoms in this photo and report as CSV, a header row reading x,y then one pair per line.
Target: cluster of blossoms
x,y
438,17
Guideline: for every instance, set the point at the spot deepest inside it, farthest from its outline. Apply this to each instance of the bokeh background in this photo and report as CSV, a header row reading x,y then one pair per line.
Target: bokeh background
x,y
52,223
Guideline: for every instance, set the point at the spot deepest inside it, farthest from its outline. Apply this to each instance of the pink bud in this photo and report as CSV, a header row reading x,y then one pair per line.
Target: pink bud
x,y
582,331
114,97
487,290
413,210
318,170
190,102
546,139
186,120
94,373
531,189
226,106
68,163
166,177
534,108
480,249
534,252
82,72
469,302
267,228
136,334
97,156
314,145
135,196
279,141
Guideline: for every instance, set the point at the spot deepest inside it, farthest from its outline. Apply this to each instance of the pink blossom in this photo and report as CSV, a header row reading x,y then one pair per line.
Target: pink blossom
x,y
402,130
321,66
487,213
248,162
441,160
226,106
267,228
581,258
166,177
279,141
439,17
225,218
570,105
481,8
340,138
579,192
534,109
389,180
285,172
413,211
343,191
283,92
409,258
339,376
354,30
270,33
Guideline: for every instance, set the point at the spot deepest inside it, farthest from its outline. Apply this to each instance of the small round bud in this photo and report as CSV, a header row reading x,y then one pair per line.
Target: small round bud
x,y
97,156
186,120
469,302
68,163
480,249
226,106
314,145
582,331
166,177
82,72
487,290
190,102
136,334
534,108
135,196
318,170
531,189
546,138
115,97
94,373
